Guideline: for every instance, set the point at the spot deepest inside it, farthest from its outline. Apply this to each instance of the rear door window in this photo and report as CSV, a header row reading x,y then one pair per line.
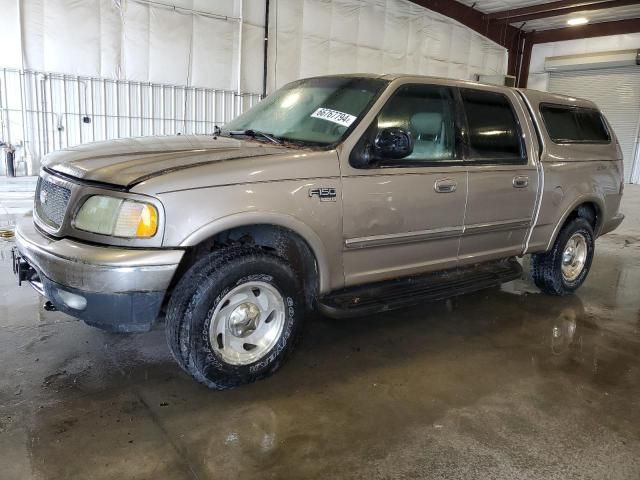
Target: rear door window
x,y
566,124
494,132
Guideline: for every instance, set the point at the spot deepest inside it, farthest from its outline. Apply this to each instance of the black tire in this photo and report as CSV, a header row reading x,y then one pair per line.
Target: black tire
x,y
546,268
198,293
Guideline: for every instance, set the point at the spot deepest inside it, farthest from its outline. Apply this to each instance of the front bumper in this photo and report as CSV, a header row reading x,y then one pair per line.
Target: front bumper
x,y
123,289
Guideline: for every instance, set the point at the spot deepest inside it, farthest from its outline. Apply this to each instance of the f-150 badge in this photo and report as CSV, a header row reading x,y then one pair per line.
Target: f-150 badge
x,y
325,194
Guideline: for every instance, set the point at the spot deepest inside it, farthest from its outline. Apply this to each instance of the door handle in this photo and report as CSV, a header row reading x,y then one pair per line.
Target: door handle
x,y
445,185
520,181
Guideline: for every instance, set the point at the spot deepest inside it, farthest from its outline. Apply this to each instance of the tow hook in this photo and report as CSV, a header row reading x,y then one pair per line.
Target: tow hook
x,y
21,268
49,307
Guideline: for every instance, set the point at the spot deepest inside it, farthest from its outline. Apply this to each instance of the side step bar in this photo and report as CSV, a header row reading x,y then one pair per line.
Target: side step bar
x,y
389,295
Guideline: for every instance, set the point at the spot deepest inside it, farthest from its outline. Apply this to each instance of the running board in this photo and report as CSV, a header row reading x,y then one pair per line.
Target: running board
x,y
389,295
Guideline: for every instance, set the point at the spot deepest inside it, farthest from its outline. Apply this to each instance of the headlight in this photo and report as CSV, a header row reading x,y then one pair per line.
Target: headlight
x,y
117,217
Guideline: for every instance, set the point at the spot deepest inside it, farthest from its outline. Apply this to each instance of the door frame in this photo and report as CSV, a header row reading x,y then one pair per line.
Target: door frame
x,y
412,168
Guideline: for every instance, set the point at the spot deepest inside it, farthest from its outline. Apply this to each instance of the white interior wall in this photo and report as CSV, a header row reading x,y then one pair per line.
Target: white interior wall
x,y
138,67
138,41
316,37
539,79
135,40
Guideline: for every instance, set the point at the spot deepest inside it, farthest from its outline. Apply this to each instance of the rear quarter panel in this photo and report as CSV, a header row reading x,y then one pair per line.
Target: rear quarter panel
x,y
573,174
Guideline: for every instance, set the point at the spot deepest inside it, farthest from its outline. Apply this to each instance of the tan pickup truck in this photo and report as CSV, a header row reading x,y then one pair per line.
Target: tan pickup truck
x,y
348,194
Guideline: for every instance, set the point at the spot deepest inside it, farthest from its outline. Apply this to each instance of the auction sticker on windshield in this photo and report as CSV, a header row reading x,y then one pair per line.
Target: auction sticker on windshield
x,y
334,116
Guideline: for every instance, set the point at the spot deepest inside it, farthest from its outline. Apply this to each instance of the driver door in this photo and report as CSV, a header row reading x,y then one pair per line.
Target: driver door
x,y
405,216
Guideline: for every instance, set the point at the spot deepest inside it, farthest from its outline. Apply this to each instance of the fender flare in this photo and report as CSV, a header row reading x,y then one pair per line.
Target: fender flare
x,y
289,222
575,204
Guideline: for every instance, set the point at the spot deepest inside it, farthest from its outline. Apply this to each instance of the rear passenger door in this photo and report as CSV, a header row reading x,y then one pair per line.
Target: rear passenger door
x,y
502,175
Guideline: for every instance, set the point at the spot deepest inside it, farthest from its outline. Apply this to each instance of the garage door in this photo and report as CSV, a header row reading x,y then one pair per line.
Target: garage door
x,y
617,92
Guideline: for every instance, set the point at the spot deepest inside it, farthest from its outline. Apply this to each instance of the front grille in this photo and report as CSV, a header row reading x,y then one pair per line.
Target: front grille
x,y
51,202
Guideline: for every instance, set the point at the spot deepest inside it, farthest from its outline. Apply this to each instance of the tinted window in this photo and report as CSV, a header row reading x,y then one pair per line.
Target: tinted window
x,y
561,123
574,125
427,112
494,133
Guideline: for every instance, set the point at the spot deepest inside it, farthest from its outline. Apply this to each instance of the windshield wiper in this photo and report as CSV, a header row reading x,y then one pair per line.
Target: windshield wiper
x,y
255,134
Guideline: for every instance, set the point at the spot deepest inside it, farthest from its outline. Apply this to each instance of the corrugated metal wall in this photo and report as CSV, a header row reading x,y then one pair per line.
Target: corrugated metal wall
x,y
64,110
617,92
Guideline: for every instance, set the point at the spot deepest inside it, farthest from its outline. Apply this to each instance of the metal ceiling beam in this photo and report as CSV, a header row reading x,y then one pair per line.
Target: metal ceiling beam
x,y
519,43
585,31
570,33
553,9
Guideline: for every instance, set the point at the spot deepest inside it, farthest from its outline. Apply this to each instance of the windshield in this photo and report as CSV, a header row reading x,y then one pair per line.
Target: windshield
x,y
317,111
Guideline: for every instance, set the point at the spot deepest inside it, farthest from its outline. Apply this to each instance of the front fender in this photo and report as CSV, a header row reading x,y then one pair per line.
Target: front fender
x,y
268,218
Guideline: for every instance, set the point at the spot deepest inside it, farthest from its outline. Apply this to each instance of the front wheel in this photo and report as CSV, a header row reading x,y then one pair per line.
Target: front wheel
x,y
234,317
565,267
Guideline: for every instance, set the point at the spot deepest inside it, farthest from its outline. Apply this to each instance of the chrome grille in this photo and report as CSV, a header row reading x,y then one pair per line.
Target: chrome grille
x,y
51,202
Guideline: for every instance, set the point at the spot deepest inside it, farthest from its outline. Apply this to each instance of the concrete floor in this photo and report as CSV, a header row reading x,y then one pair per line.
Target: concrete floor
x,y
501,384
16,195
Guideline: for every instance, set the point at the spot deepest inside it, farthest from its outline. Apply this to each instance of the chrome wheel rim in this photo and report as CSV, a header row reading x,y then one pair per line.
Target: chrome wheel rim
x,y
247,323
574,257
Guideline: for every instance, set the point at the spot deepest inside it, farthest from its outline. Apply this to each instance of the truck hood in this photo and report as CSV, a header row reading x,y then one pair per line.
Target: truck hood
x,y
129,161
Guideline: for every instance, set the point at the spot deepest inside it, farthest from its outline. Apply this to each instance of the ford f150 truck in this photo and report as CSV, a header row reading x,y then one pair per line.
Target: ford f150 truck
x,y
349,194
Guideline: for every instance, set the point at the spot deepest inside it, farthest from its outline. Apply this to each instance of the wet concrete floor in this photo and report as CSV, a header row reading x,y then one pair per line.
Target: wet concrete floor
x,y
505,383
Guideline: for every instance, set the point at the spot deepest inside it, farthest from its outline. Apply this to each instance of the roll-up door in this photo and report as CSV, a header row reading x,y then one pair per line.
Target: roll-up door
x,y
617,92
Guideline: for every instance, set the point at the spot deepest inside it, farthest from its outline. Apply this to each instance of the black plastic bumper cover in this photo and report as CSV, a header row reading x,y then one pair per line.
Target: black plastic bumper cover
x,y
114,312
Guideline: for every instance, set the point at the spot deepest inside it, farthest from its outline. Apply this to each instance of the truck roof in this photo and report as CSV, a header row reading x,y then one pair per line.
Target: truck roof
x,y
536,96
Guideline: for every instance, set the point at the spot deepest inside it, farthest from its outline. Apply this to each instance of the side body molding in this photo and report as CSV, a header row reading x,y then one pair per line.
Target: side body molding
x,y
268,218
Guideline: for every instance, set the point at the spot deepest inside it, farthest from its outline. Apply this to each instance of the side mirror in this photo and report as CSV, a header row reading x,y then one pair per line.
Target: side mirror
x,y
393,143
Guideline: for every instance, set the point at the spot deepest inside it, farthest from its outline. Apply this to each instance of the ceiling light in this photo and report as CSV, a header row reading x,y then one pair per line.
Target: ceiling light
x,y
577,21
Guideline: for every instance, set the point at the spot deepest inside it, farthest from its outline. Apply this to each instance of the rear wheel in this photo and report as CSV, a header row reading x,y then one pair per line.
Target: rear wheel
x,y
234,317
565,267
